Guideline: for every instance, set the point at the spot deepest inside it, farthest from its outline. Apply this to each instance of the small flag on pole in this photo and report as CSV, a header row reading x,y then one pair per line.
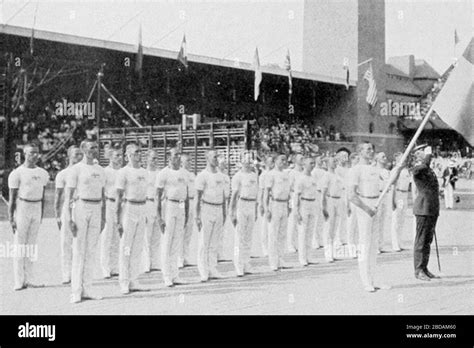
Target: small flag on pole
x,y
32,38
288,68
372,90
258,75
346,68
454,103
183,55
139,61
456,37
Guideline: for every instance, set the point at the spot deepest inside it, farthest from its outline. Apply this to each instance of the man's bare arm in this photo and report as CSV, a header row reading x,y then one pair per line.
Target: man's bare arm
x,y
12,207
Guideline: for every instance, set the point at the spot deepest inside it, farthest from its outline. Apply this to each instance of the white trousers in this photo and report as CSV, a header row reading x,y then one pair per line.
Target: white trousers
x,y
292,235
318,224
226,229
87,217
172,239
28,220
277,233
308,214
184,249
449,196
332,225
352,228
398,219
342,230
212,225
382,222
263,227
151,250
243,235
66,246
131,244
109,242
368,244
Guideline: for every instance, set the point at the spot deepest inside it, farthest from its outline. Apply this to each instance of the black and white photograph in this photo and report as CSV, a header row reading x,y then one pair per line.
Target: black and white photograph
x,y
280,158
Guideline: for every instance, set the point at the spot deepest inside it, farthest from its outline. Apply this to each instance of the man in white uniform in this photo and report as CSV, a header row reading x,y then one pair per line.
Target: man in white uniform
x,y
294,174
342,170
222,168
131,185
60,204
277,195
318,173
172,183
87,218
382,222
399,203
25,213
333,205
210,215
364,181
110,238
352,217
151,254
243,213
306,192
269,165
184,254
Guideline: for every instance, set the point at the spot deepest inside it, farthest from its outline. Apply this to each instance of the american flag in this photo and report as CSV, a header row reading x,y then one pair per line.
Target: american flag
x,y
372,91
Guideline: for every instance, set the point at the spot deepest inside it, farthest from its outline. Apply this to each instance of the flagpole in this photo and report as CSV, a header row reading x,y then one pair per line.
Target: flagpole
x,y
411,145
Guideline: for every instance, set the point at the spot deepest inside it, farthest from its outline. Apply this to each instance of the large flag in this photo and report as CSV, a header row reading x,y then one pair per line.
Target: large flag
x,y
258,75
183,54
139,61
372,90
288,68
454,103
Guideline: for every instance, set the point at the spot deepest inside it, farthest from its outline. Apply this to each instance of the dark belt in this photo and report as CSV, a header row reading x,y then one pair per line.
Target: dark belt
x,y
280,200
335,197
369,197
175,200
29,200
150,199
90,200
216,204
135,202
308,199
248,199
402,190
110,199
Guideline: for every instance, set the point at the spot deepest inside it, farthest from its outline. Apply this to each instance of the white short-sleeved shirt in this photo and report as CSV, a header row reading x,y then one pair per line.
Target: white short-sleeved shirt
x,y
88,180
367,179
261,179
246,184
294,175
343,173
151,188
307,186
319,175
30,182
134,182
213,186
61,178
173,182
279,183
191,182
110,176
384,176
334,184
227,186
403,181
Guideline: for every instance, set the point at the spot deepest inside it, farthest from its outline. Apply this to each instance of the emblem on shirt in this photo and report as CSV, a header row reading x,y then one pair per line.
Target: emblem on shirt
x,y
95,175
36,177
141,178
181,180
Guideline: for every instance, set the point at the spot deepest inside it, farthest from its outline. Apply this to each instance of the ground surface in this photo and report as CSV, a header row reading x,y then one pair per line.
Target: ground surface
x,y
317,289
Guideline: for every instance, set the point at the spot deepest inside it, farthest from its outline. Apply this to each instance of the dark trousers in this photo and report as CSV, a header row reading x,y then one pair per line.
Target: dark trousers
x,y
425,229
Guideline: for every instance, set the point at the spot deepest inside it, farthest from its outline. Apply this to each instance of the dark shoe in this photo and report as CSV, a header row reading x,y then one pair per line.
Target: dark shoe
x,y
422,276
431,275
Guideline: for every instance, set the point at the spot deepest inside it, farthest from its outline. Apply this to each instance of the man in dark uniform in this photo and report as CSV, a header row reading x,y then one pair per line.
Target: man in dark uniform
x,y
425,209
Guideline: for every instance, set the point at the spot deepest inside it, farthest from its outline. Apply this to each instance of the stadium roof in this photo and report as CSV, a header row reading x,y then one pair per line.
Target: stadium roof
x,y
163,53
424,71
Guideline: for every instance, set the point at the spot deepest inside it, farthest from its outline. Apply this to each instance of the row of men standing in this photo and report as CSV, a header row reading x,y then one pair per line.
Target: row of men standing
x,y
168,196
